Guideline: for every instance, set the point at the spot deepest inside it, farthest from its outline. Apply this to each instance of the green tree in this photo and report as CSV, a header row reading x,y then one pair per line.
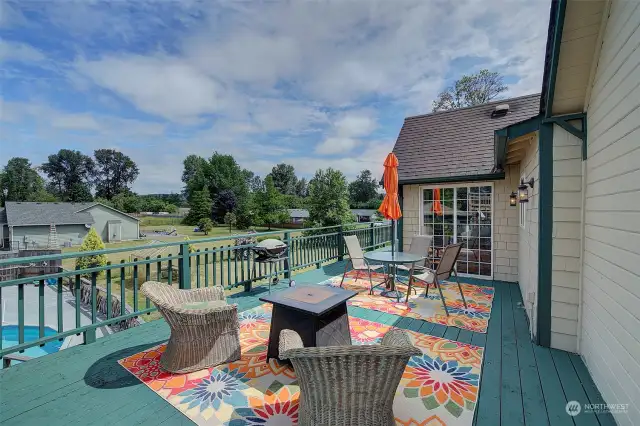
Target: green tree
x,y
302,188
269,206
115,173
21,182
205,225
70,174
195,175
230,220
200,208
470,90
127,202
364,188
225,202
328,200
284,178
91,242
226,174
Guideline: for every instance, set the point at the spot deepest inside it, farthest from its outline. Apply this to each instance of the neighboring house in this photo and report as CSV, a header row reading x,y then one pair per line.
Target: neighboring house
x,y
298,215
363,215
28,224
574,248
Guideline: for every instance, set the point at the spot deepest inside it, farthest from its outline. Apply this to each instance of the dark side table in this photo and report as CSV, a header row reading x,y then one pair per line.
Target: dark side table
x,y
317,313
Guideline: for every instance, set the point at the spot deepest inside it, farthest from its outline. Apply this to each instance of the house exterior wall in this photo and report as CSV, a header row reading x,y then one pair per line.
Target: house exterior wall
x,y
528,235
505,223
102,215
566,236
610,322
40,235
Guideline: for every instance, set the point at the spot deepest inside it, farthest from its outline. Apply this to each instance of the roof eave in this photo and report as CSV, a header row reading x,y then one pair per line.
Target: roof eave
x,y
502,137
552,54
454,179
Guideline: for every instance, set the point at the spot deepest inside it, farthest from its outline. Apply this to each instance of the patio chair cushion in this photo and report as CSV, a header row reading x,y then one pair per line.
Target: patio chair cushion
x,y
205,304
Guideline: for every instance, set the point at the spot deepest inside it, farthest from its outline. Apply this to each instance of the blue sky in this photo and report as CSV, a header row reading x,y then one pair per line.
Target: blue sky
x,y
311,83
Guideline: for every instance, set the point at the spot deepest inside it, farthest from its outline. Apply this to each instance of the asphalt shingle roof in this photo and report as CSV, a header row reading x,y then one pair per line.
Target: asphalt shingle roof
x,y
458,142
31,213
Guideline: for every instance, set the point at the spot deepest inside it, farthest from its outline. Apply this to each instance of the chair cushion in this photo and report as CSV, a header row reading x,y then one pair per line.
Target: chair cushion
x,y
205,304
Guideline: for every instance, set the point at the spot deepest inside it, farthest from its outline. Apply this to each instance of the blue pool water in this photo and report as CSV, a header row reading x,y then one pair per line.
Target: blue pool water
x,y
10,338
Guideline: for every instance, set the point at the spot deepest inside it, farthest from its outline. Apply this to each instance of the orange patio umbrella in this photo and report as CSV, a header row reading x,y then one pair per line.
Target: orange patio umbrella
x,y
390,207
436,206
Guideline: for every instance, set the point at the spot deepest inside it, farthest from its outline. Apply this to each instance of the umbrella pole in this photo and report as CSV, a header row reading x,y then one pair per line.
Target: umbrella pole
x,y
393,236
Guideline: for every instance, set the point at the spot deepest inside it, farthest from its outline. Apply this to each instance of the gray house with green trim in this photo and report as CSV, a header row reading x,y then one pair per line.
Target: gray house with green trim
x,y
28,224
574,247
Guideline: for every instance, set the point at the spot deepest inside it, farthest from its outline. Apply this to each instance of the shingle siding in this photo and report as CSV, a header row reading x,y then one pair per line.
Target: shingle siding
x,y
457,142
610,326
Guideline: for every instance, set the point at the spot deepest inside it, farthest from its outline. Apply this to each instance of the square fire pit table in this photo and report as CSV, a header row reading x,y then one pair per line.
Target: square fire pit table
x,y
317,313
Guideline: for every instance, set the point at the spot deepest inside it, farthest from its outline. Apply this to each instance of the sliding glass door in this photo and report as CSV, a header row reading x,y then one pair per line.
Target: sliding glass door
x,y
461,214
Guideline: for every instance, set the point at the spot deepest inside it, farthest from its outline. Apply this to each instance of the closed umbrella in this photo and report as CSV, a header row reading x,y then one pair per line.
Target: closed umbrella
x,y
390,207
436,207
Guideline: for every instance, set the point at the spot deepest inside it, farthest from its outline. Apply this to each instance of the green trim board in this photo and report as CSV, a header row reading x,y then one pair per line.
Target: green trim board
x,y
558,24
401,221
545,234
564,122
454,179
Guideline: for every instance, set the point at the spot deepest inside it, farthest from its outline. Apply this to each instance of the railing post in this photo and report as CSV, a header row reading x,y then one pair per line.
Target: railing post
x,y
371,237
287,261
184,267
340,243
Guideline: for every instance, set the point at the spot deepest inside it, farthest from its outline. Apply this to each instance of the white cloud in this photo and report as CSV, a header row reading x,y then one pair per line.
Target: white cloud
x,y
12,51
166,87
335,145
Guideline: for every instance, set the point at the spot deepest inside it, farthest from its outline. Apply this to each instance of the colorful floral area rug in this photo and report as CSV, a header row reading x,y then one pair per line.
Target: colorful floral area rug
x,y
438,388
474,317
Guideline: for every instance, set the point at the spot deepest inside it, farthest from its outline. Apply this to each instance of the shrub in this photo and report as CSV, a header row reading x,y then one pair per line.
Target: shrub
x,y
205,225
91,242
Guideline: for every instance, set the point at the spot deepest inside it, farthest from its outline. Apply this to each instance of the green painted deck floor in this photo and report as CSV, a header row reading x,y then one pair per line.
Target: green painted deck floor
x,y
521,383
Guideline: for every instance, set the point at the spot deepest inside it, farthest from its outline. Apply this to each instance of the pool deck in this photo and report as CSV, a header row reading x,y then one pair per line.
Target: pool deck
x,y
521,383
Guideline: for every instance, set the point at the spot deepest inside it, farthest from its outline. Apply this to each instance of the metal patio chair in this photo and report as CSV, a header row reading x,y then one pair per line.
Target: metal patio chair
x,y
444,270
357,260
348,385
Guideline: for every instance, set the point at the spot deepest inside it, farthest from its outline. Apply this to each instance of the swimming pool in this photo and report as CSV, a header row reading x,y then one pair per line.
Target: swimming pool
x,y
10,338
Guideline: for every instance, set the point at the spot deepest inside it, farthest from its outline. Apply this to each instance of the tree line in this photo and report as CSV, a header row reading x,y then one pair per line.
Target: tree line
x,y
218,190
72,176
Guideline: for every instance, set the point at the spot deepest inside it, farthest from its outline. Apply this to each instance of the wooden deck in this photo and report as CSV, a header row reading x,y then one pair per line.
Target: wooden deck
x,y
521,384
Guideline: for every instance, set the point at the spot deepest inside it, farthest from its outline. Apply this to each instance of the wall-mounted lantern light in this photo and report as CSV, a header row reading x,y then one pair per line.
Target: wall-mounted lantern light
x,y
523,192
513,199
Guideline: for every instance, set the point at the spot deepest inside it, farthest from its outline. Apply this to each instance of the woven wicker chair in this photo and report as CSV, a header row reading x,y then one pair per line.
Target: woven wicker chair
x,y
348,385
204,329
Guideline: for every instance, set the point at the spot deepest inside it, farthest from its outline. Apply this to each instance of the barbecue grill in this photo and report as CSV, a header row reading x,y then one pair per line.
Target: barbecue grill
x,y
270,251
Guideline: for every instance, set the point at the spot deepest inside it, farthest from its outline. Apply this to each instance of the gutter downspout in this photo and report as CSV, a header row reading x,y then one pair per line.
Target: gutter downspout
x,y
581,271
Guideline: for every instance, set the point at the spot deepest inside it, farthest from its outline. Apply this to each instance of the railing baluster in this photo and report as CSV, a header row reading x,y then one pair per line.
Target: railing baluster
x,y
135,286
214,264
206,267
169,270
229,266
20,313
159,270
59,307
222,266
94,297
108,278
198,269
147,277
122,289
235,266
41,309
78,289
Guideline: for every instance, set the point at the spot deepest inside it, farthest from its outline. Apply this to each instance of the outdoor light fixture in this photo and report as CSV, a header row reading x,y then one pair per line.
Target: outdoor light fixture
x,y
523,192
513,199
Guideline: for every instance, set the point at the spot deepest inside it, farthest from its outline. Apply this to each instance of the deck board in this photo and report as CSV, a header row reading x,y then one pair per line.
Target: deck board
x,y
521,382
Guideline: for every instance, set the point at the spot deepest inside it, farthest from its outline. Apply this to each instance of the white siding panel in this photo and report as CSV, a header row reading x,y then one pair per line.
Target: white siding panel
x,y
610,326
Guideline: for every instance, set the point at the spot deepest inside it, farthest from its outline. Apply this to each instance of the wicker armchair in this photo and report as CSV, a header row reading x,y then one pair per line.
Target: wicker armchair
x,y
348,385
204,328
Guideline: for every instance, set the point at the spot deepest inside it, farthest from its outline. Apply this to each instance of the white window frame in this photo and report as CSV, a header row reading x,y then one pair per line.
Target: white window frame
x,y
421,189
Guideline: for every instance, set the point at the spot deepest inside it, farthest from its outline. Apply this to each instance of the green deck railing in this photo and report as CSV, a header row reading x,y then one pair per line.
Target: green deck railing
x,y
229,266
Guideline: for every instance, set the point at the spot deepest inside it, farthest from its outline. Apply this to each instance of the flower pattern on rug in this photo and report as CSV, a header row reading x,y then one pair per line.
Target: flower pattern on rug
x,y
474,317
440,387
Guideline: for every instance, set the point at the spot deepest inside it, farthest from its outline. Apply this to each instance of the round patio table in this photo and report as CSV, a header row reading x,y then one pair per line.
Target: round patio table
x,y
392,259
